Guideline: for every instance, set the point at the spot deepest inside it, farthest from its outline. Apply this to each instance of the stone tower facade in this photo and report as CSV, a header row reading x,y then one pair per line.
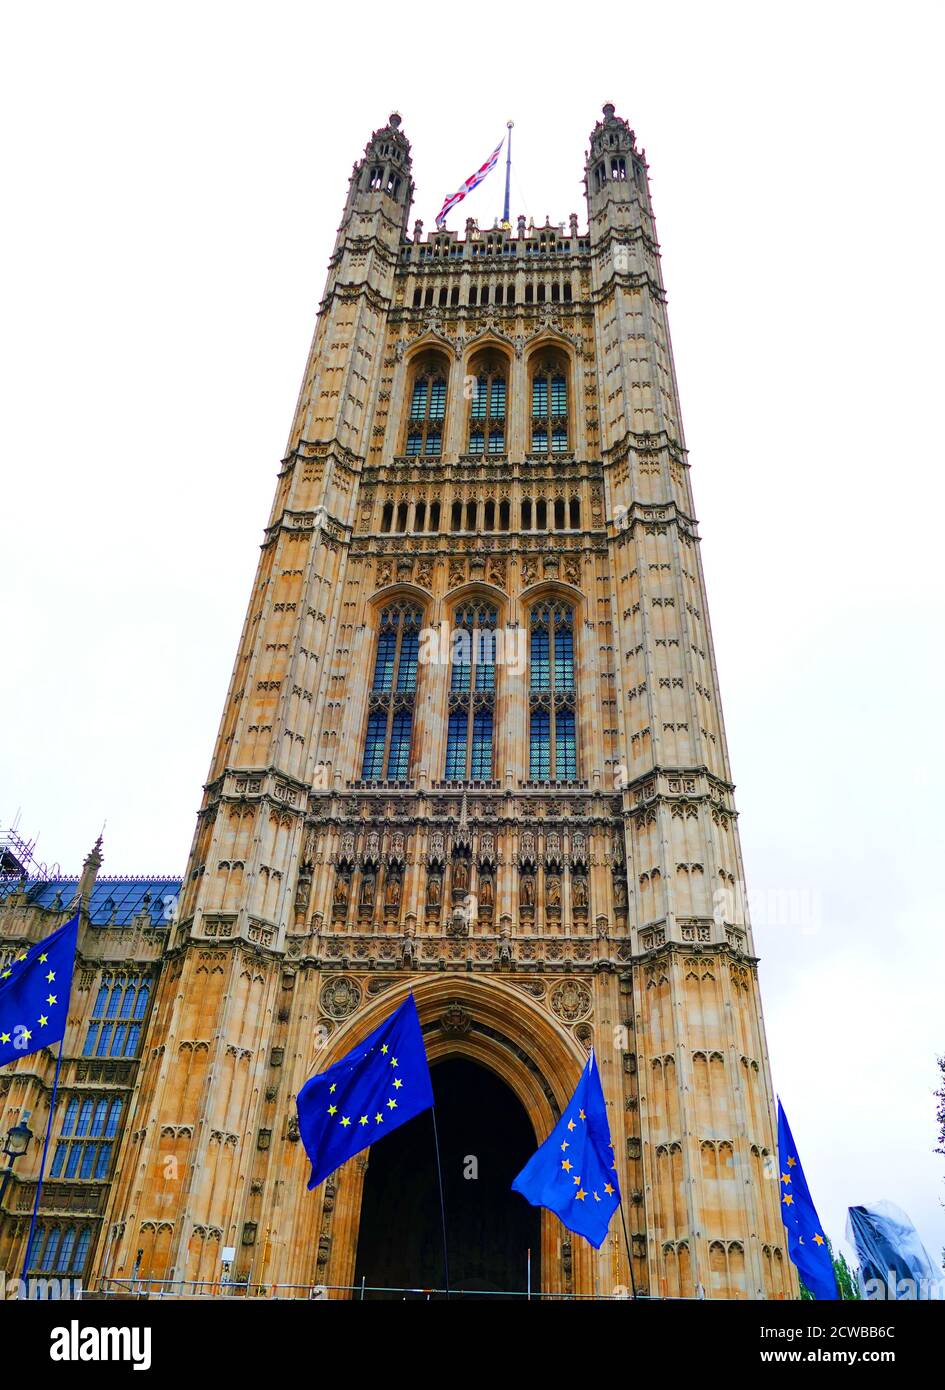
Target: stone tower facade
x,y
472,747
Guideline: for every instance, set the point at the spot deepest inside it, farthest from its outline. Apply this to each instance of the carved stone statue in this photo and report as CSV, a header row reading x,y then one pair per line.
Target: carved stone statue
x,y
527,891
620,890
554,891
302,889
460,876
486,892
393,891
579,892
341,891
433,890
367,891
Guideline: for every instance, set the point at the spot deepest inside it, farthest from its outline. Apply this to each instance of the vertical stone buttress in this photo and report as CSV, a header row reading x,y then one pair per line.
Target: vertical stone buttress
x,y
699,1053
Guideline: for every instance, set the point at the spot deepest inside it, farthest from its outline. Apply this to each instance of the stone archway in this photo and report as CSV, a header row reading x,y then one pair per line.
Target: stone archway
x,y
493,1235
496,1025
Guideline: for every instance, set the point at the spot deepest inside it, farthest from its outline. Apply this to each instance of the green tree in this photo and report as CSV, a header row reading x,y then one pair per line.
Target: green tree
x,y
844,1275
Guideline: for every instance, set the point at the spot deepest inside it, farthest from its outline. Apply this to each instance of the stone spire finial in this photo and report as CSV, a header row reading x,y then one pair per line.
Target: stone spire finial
x,y
90,868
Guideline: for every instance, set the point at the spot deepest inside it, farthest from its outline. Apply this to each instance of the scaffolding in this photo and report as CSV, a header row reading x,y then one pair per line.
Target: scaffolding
x,y
18,859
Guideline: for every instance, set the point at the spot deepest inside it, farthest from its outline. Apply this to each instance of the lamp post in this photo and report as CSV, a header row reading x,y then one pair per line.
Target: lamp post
x,y
15,1144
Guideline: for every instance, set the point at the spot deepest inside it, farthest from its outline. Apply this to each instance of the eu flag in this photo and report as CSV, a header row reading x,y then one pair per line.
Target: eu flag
x,y
574,1173
378,1086
807,1245
34,994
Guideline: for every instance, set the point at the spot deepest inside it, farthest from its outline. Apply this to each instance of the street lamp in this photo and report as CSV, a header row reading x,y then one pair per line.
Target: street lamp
x,y
15,1144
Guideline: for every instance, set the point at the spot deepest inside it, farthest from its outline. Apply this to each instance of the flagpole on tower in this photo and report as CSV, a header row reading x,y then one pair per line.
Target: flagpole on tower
x,y
508,172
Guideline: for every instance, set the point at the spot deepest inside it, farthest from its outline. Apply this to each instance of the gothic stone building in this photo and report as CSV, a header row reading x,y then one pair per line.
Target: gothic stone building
x,y
472,748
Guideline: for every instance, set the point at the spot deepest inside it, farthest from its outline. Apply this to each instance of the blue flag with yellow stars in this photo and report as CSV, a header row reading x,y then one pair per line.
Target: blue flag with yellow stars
x,y
574,1173
378,1086
807,1245
34,994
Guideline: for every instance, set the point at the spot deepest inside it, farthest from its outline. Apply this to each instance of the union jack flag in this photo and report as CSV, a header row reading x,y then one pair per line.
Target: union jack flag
x,y
472,182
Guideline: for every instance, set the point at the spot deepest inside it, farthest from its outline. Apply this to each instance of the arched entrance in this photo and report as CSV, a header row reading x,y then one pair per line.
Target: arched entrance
x,y
489,1022
485,1138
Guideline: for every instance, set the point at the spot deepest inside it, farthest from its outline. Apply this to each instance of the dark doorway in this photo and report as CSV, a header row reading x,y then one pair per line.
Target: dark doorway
x,y
484,1130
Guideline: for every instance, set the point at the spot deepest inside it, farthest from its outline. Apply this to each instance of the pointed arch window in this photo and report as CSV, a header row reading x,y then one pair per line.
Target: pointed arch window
x,y
393,688
470,730
550,407
427,411
487,409
552,738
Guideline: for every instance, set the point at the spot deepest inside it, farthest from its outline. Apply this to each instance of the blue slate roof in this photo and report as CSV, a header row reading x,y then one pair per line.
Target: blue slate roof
x,y
115,901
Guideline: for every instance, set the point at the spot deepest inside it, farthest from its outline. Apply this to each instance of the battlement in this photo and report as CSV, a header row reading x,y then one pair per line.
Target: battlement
x,y
500,242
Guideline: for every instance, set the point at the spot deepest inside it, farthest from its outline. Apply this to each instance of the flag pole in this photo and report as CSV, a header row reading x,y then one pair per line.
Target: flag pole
x,y
623,1219
42,1162
439,1178
508,171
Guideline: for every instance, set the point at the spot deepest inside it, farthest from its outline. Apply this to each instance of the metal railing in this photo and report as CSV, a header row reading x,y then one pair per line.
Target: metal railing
x,y
217,1288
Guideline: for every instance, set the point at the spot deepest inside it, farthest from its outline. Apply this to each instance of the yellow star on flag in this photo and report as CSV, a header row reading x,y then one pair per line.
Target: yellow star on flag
x,y
785,1177
788,1199
333,1110
580,1195
50,999
608,1189
43,1020
818,1239
363,1120
378,1118
392,1104
792,1163
566,1165
345,1122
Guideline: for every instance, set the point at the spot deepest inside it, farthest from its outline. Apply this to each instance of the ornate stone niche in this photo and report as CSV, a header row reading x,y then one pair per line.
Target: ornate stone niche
x,y
579,897
393,893
486,876
527,876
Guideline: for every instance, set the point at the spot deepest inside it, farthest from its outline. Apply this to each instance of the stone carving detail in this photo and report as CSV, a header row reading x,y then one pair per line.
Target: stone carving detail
x,y
455,1021
340,997
571,1001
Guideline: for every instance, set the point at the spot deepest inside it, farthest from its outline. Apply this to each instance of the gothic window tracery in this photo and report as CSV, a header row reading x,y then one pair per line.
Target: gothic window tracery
x,y
470,729
552,738
117,1014
85,1144
549,407
487,408
427,411
391,702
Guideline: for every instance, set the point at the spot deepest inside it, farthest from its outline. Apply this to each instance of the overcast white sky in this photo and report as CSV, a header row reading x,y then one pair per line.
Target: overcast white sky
x,y
174,174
